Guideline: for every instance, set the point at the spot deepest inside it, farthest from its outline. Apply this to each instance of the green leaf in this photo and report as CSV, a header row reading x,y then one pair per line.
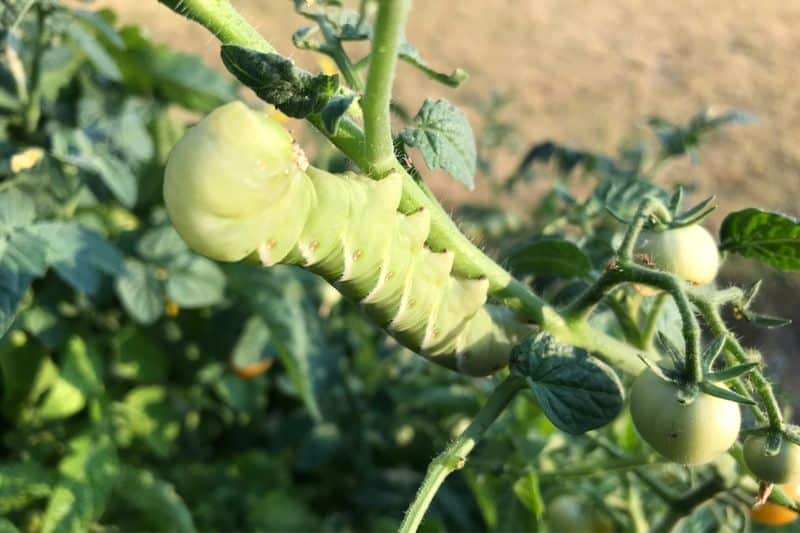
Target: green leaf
x,y
773,238
549,256
725,394
27,372
141,293
576,391
100,59
155,499
89,473
443,135
13,286
765,321
161,244
79,255
277,81
22,484
254,344
80,379
149,419
334,110
16,209
175,77
527,490
732,372
138,357
411,55
195,281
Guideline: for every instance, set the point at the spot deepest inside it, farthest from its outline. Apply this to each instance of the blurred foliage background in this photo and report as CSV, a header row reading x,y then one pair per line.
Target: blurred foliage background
x,y
147,388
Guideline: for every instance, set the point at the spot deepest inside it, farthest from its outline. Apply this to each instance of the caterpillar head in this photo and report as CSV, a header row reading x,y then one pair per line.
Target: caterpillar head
x,y
235,182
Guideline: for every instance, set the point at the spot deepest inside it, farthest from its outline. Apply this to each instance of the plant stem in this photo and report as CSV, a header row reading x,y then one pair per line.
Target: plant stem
x,y
648,208
379,150
649,331
732,346
627,271
455,455
686,505
221,18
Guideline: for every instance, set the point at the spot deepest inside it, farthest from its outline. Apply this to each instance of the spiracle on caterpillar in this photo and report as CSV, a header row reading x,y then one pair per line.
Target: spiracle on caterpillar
x,y
236,184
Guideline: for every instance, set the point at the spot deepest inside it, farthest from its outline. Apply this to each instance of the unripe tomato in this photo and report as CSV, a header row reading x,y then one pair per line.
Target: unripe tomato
x,y
778,469
772,514
693,433
690,253
568,514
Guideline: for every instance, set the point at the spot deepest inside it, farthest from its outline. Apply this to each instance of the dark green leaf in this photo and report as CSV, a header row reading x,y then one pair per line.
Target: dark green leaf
x,y
155,499
79,255
334,110
195,281
277,81
770,237
576,391
254,344
712,351
141,293
765,321
138,356
549,256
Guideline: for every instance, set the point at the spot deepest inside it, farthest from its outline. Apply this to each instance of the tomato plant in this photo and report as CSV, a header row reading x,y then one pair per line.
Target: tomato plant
x,y
212,318
772,514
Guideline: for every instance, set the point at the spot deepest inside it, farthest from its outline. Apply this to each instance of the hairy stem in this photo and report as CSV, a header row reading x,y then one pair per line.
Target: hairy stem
x,y
760,384
455,455
650,326
389,25
627,271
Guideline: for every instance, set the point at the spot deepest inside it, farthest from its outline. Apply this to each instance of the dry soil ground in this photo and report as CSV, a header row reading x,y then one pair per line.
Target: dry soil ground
x,y
591,73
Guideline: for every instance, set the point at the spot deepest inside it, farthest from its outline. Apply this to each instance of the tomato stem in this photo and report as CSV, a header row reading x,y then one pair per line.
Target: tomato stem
x,y
389,25
455,455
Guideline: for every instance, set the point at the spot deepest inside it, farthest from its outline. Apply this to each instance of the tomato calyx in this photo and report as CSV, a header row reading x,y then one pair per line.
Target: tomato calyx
x,y
711,381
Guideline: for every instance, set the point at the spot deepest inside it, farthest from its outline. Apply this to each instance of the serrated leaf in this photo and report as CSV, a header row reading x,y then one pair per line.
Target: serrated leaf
x,y
443,135
773,238
334,110
195,281
141,293
549,257
576,391
277,81
725,394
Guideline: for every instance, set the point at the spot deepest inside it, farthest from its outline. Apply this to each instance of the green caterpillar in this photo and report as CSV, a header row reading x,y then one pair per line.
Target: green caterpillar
x,y
237,185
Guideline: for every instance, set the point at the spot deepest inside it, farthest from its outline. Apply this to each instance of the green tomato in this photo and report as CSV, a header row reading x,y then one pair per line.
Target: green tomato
x,y
693,433
568,513
779,469
690,253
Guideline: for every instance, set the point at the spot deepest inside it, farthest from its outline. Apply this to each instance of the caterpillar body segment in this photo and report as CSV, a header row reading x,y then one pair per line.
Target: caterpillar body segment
x,y
236,184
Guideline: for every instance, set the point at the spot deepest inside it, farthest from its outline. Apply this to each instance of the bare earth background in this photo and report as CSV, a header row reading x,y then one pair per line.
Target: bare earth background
x,y
591,73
